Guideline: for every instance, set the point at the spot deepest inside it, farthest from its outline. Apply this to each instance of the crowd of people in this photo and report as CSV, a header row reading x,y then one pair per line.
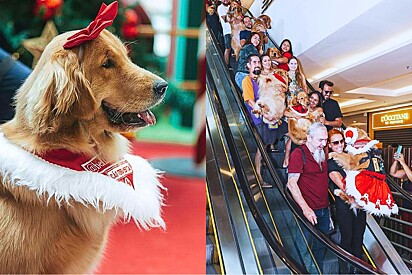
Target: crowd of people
x,y
310,170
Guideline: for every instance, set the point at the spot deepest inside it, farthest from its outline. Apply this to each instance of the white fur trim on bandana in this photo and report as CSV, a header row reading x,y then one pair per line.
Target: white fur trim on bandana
x,y
369,207
142,204
356,151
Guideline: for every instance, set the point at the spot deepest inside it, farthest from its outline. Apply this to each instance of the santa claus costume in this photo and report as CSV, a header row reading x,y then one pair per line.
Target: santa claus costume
x,y
368,187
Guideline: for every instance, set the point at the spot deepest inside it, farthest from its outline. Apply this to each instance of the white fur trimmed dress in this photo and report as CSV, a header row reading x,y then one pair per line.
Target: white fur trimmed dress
x,y
129,185
369,187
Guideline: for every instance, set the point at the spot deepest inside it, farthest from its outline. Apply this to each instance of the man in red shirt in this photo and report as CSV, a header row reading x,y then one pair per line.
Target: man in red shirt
x,y
308,184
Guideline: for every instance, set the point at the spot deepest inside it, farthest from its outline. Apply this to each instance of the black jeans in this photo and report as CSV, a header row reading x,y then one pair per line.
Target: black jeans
x,y
352,227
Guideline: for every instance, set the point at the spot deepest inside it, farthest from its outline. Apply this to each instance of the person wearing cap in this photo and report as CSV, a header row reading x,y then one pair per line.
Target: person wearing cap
x,y
250,96
331,108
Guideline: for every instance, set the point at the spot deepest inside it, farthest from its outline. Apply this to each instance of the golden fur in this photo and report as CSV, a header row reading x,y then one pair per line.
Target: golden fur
x,y
271,98
273,53
298,125
235,18
60,106
267,20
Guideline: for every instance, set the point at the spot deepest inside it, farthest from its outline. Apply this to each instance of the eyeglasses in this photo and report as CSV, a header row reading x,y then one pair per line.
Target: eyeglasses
x,y
328,92
337,142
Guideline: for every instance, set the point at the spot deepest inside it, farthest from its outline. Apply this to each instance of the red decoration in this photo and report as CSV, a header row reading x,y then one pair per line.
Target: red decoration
x,y
130,26
349,134
103,19
46,9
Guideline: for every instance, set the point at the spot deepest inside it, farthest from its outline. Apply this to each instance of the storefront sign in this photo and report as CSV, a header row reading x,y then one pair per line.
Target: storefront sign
x,y
400,118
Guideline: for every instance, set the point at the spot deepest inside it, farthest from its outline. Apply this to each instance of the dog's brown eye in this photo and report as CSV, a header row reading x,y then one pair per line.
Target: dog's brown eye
x,y
108,64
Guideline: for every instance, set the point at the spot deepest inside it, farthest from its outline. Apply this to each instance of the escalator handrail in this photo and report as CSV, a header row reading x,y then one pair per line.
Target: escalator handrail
x,y
288,260
392,183
364,267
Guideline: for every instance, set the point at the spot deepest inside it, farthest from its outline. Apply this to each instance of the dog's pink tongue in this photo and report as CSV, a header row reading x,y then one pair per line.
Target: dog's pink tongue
x,y
148,116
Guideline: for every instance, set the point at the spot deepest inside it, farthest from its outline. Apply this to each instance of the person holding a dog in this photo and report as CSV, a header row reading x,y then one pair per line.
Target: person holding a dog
x,y
298,79
352,222
308,184
287,53
250,96
331,108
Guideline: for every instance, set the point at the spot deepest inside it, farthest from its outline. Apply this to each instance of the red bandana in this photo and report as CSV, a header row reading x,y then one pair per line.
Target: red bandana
x,y
120,170
300,109
103,19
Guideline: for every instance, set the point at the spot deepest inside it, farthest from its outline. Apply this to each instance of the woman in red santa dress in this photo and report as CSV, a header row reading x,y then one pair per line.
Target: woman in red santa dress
x,y
367,183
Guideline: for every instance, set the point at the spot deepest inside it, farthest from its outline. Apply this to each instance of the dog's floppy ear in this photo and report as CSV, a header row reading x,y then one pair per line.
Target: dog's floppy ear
x,y
60,88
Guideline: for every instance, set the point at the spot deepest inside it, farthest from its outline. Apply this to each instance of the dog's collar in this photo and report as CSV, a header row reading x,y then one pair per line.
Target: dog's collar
x,y
65,185
300,110
120,170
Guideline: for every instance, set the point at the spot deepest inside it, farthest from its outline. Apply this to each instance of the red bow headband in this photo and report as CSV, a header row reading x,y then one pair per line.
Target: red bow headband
x,y
103,19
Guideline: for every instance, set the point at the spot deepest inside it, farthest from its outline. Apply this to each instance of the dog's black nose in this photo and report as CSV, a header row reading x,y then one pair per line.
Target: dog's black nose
x,y
160,88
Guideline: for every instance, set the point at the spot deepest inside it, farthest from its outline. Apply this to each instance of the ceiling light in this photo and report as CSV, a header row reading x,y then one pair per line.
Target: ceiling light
x,y
389,45
354,102
325,73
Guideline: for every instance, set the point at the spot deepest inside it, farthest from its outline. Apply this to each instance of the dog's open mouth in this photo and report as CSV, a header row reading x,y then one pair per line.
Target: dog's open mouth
x,y
138,119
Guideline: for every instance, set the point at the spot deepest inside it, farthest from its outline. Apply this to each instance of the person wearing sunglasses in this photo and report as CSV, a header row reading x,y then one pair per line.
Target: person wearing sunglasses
x,y
333,114
351,226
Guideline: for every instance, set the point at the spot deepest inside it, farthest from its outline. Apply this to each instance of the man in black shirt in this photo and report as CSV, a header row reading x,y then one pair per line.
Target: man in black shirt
x,y
333,114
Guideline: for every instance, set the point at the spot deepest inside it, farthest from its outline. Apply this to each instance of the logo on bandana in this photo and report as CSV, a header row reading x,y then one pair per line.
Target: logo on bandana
x,y
121,170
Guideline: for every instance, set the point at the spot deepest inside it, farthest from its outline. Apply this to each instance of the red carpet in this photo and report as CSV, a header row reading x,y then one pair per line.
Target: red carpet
x,y
181,248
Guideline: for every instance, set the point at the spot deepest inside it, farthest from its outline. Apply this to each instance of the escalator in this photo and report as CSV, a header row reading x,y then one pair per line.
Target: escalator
x,y
277,219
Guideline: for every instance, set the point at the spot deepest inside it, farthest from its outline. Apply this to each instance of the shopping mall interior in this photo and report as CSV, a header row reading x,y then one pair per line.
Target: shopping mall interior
x,y
364,49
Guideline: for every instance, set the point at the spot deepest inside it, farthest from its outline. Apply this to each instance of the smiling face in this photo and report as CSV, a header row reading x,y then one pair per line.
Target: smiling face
x,y
293,64
313,101
337,143
255,40
285,46
266,63
327,91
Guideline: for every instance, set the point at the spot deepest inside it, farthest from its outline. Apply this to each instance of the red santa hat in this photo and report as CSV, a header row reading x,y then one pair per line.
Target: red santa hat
x,y
356,145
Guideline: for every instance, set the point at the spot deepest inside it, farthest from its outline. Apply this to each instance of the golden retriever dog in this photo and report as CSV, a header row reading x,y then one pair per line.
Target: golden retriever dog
x,y
271,98
365,182
235,18
273,52
299,118
54,219
267,20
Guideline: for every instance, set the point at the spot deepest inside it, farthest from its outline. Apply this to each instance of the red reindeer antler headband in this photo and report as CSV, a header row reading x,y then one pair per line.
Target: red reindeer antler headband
x,y
103,19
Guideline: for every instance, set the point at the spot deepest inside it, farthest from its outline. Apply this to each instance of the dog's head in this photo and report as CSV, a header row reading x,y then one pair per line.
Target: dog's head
x,y
270,85
259,25
94,84
273,52
267,20
301,99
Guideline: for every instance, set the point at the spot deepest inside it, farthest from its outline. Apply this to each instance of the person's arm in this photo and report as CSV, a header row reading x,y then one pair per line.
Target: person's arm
x,y
337,178
335,123
395,172
297,196
406,169
243,42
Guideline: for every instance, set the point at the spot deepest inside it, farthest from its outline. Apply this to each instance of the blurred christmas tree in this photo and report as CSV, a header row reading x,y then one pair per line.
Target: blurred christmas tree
x,y
27,18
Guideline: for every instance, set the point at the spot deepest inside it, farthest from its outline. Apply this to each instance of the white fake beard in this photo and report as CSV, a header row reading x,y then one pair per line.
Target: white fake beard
x,y
319,156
